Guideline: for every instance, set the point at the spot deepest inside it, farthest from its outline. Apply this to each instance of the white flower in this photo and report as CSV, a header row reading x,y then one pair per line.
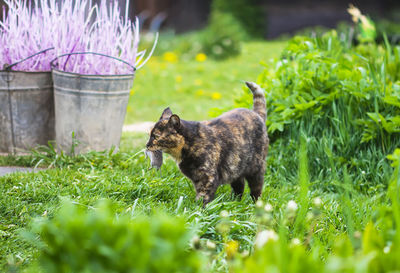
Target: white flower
x,y
210,245
264,236
292,206
224,214
317,202
268,208
296,242
259,204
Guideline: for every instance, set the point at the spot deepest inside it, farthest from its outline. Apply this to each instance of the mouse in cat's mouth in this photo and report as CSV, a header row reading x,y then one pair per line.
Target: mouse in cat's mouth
x,y
156,158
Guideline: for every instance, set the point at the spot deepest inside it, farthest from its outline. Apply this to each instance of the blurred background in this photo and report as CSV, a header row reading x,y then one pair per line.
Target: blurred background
x,y
206,48
273,18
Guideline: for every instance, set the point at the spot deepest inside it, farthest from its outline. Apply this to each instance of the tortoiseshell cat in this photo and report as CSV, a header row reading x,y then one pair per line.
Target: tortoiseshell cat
x,y
227,149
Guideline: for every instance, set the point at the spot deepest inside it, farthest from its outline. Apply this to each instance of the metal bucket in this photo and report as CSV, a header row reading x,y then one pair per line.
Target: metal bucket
x,y
26,110
89,110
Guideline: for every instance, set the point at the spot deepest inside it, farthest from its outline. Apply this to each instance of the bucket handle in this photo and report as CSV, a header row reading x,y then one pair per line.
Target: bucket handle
x,y
52,63
8,67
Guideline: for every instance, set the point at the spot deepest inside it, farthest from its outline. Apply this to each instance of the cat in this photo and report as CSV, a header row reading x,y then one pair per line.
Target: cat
x,y
226,149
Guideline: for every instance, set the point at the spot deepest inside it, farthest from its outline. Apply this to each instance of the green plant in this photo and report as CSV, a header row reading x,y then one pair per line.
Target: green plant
x,y
344,99
77,240
247,12
376,250
223,37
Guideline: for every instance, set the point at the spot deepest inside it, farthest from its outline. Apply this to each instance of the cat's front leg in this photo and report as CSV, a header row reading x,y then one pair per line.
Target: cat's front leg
x,y
206,188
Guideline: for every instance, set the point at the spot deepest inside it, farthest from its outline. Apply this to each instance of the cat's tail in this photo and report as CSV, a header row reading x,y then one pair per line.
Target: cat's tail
x,y
259,104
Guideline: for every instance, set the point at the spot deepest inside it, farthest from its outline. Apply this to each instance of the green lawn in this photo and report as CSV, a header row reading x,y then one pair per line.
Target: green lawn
x,y
192,88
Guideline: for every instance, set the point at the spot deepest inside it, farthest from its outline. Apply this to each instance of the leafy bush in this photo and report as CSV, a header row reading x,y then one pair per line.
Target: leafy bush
x,y
221,39
76,240
223,36
345,99
247,12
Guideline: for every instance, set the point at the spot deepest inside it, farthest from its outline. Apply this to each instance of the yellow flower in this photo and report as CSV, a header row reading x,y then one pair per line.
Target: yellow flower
x,y
200,92
198,82
178,79
132,92
170,57
216,96
231,249
201,57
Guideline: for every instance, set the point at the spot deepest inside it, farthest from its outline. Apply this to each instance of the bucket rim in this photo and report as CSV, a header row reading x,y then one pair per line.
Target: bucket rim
x,y
27,72
91,75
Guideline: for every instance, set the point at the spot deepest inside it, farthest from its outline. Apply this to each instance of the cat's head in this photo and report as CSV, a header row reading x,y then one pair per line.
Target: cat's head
x,y
165,135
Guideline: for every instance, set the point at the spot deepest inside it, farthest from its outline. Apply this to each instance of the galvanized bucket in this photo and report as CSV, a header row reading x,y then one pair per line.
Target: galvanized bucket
x,y
89,109
26,109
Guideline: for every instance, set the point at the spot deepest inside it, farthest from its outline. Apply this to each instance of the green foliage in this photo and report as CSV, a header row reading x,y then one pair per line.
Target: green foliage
x,y
77,240
223,37
344,99
376,250
247,12
389,28
220,39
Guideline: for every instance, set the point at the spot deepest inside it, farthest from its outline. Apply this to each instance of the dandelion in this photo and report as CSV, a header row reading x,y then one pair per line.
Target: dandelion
x,y
132,92
200,92
170,57
259,204
201,57
178,79
231,249
264,237
292,206
224,214
268,208
198,82
296,242
317,202
210,245
216,96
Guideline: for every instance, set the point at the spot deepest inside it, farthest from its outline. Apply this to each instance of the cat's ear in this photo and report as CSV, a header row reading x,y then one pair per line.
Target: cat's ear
x,y
167,113
174,121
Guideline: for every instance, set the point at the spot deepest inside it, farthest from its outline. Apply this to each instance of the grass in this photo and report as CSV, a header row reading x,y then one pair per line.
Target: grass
x,y
125,179
192,88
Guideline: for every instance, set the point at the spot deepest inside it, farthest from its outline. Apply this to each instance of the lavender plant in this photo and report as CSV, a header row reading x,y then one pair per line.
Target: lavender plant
x,y
70,27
